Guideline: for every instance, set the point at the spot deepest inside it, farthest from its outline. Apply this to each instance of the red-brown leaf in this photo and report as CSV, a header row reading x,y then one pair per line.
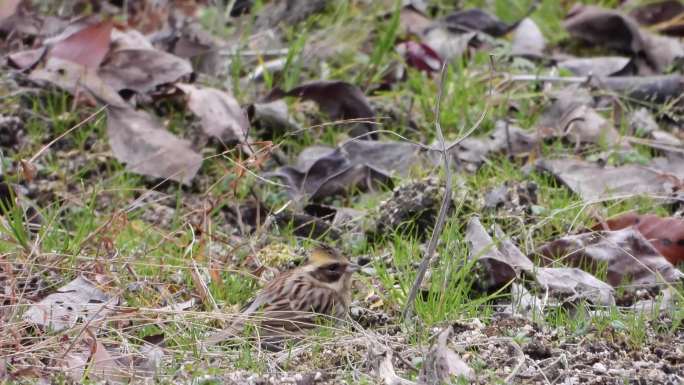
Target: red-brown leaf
x,y
665,234
87,47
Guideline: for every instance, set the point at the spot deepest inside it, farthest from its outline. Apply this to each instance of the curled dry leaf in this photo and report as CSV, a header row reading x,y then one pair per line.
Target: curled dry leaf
x,y
598,66
504,262
571,116
8,8
380,360
413,21
141,70
604,27
576,284
74,78
528,40
339,100
322,171
662,13
79,299
630,258
420,56
501,268
617,31
141,142
475,19
442,365
449,45
592,181
86,47
221,115
653,89
665,234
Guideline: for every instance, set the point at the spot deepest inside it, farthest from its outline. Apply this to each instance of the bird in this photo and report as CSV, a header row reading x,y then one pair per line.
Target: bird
x,y
290,304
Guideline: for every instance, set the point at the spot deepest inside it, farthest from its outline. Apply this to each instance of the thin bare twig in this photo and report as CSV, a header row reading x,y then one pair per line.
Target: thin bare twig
x,y
441,218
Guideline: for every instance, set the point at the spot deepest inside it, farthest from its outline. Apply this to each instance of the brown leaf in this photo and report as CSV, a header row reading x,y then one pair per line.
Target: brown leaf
x,y
620,32
142,70
592,181
475,19
141,142
339,100
665,234
442,365
663,13
598,66
575,283
79,299
86,47
500,268
528,40
73,78
8,8
658,89
322,171
630,258
25,60
604,27
221,115
504,262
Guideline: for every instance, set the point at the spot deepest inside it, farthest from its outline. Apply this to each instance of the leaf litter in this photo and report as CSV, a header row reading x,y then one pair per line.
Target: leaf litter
x,y
140,65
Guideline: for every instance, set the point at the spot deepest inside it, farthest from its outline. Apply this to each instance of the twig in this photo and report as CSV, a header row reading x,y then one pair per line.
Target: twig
x,y
441,218
521,360
94,114
544,78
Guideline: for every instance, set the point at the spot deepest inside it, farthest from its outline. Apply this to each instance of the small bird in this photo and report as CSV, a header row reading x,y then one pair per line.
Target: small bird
x,y
290,303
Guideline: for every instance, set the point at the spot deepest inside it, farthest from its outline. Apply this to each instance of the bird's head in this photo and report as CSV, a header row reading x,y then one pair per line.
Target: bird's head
x,y
329,265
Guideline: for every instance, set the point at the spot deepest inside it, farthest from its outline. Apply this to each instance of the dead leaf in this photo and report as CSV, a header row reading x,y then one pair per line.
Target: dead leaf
x,y
442,365
413,21
420,56
146,147
598,66
339,100
449,45
475,19
528,40
662,14
86,47
8,8
571,116
629,257
26,60
74,78
652,89
506,138
142,70
380,360
79,299
615,30
592,181
525,304
665,234
322,171
221,115
604,27
505,261
500,268
575,284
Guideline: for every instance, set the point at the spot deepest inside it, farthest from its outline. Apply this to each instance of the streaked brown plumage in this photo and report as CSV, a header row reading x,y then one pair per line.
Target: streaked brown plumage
x,y
291,302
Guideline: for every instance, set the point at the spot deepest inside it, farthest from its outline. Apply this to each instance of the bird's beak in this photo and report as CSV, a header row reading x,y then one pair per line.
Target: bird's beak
x,y
352,267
